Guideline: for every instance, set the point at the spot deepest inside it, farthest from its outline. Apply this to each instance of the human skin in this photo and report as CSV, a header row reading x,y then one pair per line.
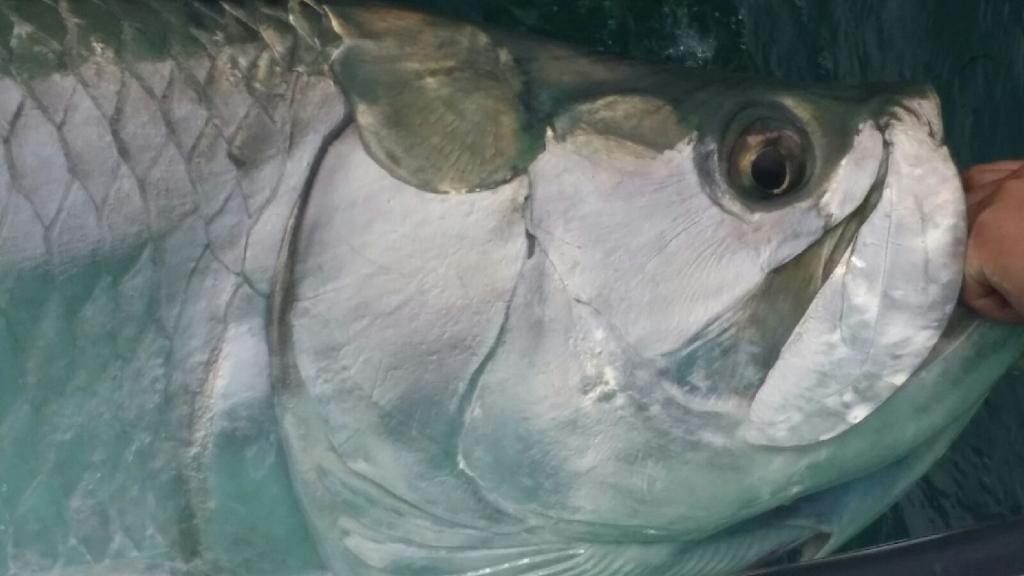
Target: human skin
x,y
994,272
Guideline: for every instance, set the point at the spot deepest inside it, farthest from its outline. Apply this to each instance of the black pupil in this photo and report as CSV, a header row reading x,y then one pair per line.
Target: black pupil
x,y
769,170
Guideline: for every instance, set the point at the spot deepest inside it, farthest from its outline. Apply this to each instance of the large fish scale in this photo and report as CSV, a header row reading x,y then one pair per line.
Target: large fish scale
x,y
181,168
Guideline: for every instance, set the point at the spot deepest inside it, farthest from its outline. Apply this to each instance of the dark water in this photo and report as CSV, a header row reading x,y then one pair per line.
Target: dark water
x,y
971,51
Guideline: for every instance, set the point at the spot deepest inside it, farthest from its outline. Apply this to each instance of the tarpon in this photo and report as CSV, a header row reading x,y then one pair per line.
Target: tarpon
x,y
360,291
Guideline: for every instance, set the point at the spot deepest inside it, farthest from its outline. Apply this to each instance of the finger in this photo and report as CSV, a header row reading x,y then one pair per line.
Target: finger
x,y
983,174
988,302
995,308
994,266
980,197
1010,283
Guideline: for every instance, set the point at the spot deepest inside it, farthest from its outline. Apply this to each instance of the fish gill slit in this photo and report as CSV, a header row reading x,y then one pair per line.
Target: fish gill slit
x,y
473,383
281,288
468,395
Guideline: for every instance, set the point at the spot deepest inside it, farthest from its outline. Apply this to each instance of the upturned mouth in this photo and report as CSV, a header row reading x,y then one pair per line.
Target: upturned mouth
x,y
892,281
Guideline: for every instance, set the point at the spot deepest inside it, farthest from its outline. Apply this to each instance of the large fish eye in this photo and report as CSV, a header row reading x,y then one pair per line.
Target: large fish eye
x,y
767,160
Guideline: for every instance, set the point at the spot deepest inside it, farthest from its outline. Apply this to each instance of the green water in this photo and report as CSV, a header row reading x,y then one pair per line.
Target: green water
x,y
971,51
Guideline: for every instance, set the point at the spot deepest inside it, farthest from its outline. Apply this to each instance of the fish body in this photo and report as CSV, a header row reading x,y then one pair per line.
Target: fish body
x,y
361,291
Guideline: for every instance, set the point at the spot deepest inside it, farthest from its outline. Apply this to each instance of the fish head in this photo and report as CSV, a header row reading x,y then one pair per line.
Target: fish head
x,y
791,252
721,269
539,298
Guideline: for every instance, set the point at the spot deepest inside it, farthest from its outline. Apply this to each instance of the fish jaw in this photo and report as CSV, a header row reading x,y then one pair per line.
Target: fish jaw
x,y
884,306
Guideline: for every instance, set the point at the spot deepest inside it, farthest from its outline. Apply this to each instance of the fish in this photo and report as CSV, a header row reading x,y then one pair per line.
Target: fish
x,y
330,288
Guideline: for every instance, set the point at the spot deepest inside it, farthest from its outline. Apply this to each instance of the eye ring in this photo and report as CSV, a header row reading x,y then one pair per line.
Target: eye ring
x,y
768,160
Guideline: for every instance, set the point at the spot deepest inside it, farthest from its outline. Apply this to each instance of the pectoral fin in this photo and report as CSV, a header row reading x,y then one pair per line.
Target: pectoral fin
x,y
438,104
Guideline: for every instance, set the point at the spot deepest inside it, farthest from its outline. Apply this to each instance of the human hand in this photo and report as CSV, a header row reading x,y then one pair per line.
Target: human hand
x,y
994,272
